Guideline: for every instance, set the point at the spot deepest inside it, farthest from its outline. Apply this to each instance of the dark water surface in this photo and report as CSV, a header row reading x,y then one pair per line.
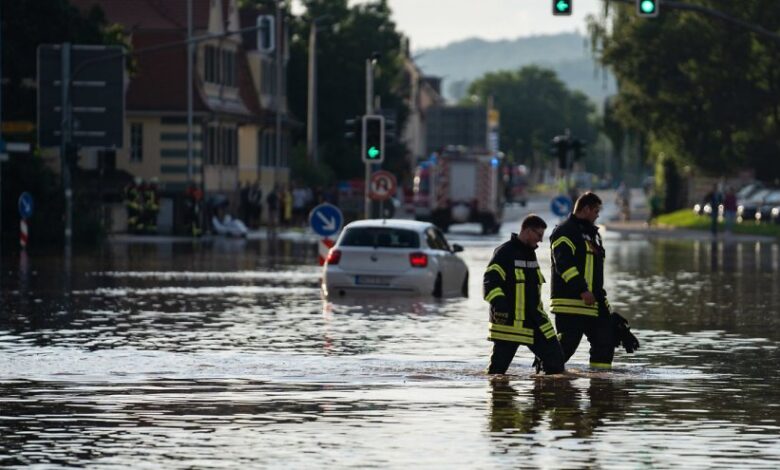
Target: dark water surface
x,y
224,355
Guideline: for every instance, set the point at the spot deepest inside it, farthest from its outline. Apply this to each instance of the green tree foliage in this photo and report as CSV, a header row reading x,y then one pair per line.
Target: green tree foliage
x,y
347,37
535,106
702,87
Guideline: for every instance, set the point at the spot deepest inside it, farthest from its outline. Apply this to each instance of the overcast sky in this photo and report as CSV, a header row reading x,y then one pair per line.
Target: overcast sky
x,y
431,23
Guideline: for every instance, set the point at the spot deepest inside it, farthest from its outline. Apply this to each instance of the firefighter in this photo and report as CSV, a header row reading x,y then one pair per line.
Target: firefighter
x,y
194,196
133,205
151,206
513,287
579,300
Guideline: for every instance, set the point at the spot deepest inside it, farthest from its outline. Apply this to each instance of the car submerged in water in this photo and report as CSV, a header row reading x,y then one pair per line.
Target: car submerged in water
x,y
388,255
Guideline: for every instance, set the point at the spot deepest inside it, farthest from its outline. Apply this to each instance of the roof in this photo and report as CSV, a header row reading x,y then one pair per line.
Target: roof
x,y
416,225
152,14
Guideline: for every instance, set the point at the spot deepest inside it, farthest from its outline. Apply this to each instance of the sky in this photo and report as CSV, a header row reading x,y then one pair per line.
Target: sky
x,y
433,23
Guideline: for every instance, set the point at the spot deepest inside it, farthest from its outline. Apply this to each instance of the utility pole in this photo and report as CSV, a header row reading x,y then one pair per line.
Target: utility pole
x,y
190,48
278,100
65,143
311,127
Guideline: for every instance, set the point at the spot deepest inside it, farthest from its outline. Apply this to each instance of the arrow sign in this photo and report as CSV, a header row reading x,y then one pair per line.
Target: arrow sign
x,y
562,7
25,205
326,220
373,152
561,205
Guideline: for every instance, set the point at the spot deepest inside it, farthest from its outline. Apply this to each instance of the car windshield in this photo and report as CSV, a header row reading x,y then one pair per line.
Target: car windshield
x,y
386,237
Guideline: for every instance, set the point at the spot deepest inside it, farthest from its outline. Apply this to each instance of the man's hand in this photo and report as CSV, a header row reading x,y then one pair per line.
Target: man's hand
x,y
588,297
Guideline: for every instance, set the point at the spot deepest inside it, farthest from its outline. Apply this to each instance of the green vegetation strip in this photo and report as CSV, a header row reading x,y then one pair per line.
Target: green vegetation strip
x,y
686,218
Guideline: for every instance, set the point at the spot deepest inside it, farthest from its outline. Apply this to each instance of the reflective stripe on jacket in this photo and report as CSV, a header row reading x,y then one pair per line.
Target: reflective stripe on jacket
x,y
512,286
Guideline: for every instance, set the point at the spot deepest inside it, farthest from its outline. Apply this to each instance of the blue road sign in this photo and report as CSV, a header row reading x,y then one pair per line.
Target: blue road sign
x,y
326,220
561,205
25,205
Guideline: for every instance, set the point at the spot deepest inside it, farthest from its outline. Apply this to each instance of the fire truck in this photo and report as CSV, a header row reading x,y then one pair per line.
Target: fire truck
x,y
458,185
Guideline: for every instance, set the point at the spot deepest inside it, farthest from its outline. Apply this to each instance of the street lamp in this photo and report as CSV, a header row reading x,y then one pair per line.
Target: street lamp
x,y
311,127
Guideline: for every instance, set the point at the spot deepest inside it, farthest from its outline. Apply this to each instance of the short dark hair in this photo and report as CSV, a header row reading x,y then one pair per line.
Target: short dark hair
x,y
533,221
588,199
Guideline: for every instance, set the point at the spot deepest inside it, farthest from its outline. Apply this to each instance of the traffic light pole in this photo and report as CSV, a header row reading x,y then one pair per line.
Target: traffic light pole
x,y
65,141
369,112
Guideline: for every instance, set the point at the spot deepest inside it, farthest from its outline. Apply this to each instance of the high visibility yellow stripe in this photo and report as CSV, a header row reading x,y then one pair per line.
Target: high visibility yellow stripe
x,y
572,303
496,292
517,330
549,334
589,270
601,365
507,337
495,267
520,296
566,241
576,310
541,276
570,273
546,327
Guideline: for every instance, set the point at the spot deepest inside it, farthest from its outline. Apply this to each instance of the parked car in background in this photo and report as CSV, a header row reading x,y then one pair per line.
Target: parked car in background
x,y
764,210
387,255
746,210
748,190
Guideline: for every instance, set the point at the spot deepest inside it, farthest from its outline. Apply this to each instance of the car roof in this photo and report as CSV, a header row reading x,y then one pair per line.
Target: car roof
x,y
391,223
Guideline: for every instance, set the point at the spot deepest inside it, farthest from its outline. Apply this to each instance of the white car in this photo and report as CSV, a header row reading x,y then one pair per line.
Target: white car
x,y
394,255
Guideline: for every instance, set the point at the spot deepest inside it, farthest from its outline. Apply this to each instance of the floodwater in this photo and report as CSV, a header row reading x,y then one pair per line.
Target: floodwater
x,y
224,355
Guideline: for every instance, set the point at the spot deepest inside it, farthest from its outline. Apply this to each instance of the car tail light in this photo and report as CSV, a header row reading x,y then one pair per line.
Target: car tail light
x,y
418,260
334,256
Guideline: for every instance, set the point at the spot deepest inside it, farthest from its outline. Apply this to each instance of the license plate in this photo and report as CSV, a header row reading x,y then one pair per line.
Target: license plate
x,y
372,280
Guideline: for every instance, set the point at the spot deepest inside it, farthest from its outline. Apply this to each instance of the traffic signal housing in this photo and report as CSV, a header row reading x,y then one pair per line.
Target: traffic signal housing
x,y
353,128
373,139
562,7
560,150
647,8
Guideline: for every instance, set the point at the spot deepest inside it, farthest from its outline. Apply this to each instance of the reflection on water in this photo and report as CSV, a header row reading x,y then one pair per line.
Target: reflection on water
x,y
225,355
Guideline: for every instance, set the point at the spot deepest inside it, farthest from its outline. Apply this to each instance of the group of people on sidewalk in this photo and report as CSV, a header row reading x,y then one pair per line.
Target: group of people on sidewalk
x,y
286,206
142,204
728,199
512,285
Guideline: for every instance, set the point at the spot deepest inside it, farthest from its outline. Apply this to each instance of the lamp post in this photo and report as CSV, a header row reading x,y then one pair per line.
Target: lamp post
x,y
311,125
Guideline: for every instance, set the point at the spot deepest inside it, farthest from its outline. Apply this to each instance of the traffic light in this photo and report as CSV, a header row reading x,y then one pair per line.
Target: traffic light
x,y
562,7
373,139
560,148
579,149
353,128
647,8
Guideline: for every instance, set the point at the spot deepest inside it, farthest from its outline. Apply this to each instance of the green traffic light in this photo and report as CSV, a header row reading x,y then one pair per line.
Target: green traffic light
x,y
647,6
562,5
373,152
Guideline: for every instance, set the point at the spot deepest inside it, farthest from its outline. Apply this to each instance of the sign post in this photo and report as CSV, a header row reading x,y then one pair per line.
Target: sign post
x,y
382,186
25,212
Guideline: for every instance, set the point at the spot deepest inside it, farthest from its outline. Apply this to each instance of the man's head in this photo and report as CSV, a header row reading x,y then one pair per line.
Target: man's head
x,y
532,230
588,207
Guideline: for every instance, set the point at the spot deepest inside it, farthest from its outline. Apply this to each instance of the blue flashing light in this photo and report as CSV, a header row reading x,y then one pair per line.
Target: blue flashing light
x,y
494,162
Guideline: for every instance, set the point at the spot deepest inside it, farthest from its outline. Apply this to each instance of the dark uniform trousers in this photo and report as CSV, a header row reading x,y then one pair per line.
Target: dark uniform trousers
x,y
599,331
548,350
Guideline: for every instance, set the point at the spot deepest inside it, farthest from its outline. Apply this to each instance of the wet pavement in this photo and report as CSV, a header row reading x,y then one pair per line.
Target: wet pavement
x,y
222,354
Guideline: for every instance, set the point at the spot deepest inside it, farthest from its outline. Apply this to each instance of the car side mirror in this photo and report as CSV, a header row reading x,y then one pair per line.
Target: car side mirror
x,y
456,248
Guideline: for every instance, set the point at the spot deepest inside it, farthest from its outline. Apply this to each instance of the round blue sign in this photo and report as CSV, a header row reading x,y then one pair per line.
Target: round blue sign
x,y
25,205
561,205
326,220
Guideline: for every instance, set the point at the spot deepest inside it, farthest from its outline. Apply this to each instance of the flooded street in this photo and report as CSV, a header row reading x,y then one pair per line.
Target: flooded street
x,y
224,355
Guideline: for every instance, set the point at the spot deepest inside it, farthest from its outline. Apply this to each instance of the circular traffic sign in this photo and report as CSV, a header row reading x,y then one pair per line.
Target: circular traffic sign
x,y
382,185
326,220
25,205
561,205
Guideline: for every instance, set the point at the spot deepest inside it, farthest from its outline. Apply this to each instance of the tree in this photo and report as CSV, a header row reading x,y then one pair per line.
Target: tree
x,y
535,106
705,90
342,49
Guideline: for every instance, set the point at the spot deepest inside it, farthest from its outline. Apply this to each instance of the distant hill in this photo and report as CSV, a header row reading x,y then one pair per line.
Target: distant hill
x,y
567,54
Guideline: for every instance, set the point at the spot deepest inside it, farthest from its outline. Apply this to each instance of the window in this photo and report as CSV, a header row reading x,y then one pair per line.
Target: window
x,y
219,66
136,142
222,144
381,237
436,240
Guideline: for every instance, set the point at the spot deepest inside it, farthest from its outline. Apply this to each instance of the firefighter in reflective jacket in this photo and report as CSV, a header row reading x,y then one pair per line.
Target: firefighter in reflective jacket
x,y
512,285
579,300
133,204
